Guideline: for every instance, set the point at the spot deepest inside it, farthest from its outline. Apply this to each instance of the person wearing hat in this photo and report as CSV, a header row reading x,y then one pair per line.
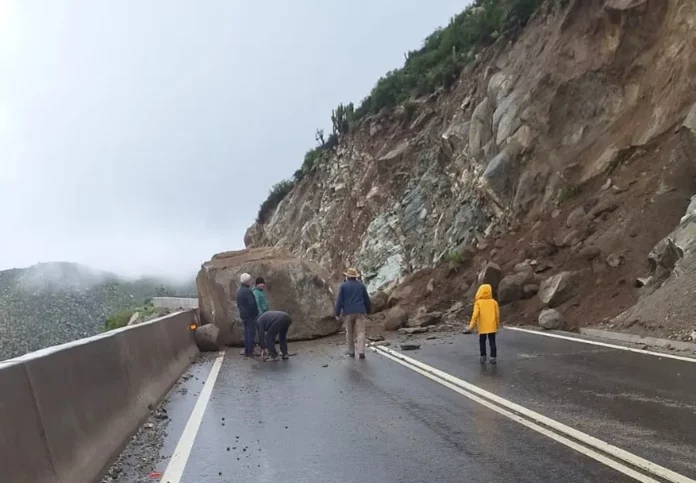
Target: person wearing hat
x,y
353,303
248,312
260,295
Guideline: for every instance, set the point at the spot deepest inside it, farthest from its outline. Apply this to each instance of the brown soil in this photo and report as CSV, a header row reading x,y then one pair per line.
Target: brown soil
x,y
654,186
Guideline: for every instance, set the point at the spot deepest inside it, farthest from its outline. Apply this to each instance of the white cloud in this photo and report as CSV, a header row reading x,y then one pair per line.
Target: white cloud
x,y
142,136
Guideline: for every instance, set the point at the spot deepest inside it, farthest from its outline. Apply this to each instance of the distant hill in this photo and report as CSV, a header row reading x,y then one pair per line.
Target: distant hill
x,y
53,303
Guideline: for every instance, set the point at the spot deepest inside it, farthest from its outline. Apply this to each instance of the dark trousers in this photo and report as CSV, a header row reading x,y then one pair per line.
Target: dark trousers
x,y
491,341
249,336
279,329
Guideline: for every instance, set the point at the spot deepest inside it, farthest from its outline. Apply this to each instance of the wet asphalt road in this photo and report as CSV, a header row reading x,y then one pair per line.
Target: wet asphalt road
x,y
377,421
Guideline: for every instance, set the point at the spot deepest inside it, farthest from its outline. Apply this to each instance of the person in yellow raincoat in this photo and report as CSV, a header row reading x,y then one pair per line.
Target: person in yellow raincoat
x,y
487,317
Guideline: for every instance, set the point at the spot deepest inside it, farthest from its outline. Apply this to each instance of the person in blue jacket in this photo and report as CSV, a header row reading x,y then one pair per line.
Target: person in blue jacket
x,y
353,303
248,312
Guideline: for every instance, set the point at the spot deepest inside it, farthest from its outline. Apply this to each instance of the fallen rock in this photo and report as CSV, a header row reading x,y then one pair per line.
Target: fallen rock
x,y
511,287
569,238
550,319
604,206
379,302
453,312
410,347
375,337
615,260
382,343
541,249
529,291
206,337
525,267
558,289
589,253
396,318
425,319
491,274
413,330
662,259
400,293
296,286
576,217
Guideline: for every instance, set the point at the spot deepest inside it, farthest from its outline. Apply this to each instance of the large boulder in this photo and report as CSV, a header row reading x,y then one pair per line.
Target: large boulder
x,y
295,286
663,258
395,319
207,338
558,289
379,301
550,319
491,274
511,288
425,319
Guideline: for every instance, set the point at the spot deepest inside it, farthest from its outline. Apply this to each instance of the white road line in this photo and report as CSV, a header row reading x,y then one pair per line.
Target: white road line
x,y
534,419
602,344
177,463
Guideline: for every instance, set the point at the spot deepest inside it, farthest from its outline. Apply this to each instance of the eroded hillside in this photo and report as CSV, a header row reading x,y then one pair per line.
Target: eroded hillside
x,y
569,143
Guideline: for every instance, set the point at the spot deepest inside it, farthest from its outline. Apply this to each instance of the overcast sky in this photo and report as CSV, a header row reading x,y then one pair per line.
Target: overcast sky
x,y
140,136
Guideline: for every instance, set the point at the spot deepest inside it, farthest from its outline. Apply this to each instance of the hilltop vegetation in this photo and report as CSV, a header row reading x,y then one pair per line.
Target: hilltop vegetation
x,y
54,303
436,65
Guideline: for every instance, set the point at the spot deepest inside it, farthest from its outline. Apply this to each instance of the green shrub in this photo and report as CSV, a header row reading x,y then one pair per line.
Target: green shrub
x,y
568,192
119,320
453,256
410,109
311,159
437,64
342,119
278,192
445,52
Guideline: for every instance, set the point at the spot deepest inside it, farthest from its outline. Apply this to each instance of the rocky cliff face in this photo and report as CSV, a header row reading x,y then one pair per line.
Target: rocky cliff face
x,y
588,109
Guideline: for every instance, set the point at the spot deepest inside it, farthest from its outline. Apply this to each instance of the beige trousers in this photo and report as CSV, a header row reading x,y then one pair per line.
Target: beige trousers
x,y
355,323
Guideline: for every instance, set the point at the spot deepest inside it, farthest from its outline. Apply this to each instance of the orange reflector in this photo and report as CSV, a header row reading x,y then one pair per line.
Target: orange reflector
x,y
192,326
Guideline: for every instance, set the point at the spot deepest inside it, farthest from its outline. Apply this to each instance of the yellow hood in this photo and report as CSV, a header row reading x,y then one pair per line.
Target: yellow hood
x,y
485,291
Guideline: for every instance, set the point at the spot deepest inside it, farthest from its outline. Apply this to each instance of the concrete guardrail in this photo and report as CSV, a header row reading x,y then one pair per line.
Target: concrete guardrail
x,y
67,412
175,303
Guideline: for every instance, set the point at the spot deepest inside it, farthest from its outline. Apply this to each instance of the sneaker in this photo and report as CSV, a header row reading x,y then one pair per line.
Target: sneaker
x,y
483,359
272,359
285,357
362,356
493,361
350,354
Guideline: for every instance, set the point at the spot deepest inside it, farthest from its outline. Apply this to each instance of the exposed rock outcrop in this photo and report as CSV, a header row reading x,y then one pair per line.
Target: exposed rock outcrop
x,y
575,96
298,287
568,142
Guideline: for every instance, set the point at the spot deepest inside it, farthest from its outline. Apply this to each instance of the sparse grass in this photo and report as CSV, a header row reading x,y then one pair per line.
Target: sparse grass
x,y
453,256
120,319
567,193
410,108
